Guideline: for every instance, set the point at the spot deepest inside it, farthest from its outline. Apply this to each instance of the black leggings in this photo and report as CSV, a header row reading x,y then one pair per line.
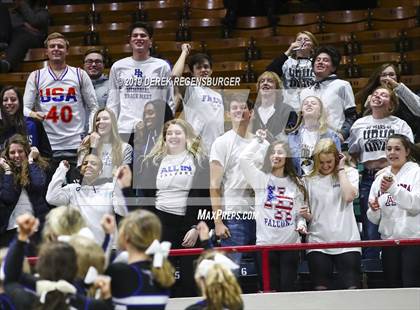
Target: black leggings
x,y
174,229
401,266
347,265
283,270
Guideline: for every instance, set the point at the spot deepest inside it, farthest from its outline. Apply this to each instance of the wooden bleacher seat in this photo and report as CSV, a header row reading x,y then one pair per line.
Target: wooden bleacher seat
x,y
412,81
205,28
345,21
358,83
291,24
395,3
256,33
376,58
225,49
394,18
229,68
69,14
18,79
413,34
207,9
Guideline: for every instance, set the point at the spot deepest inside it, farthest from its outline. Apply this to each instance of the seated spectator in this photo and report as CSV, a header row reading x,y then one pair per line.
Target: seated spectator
x,y
105,142
332,187
93,64
25,28
295,67
22,185
279,197
202,106
394,202
54,284
13,122
367,142
271,112
388,75
93,197
336,94
310,128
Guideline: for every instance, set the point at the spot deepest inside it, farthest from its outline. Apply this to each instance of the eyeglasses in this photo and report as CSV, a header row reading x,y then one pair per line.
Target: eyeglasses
x,y
388,74
91,62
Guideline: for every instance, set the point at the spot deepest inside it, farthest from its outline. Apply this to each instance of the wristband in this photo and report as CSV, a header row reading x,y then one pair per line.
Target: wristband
x,y
341,169
194,227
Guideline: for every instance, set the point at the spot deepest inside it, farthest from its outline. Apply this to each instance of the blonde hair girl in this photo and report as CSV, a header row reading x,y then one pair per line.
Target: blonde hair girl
x,y
217,283
140,277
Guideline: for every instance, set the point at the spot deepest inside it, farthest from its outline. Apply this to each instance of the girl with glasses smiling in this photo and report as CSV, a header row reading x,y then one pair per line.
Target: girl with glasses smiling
x,y
389,76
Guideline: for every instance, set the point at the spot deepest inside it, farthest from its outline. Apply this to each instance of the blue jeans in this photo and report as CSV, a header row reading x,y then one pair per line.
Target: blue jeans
x,y
242,233
370,230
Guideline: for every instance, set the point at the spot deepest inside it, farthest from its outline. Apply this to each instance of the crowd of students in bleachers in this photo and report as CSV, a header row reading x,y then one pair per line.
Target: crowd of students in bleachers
x,y
265,173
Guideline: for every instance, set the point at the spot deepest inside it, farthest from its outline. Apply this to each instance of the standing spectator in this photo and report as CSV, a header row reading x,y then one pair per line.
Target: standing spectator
x,y
295,67
175,181
280,196
271,112
229,189
25,28
13,122
310,128
332,187
367,145
59,95
203,107
394,202
93,64
93,197
129,90
22,185
336,94
408,109
105,142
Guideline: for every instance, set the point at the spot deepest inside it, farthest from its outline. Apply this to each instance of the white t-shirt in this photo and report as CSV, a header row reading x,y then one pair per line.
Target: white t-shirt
x,y
332,218
265,113
337,96
237,193
22,206
204,110
399,213
173,182
277,200
297,74
130,90
368,136
64,100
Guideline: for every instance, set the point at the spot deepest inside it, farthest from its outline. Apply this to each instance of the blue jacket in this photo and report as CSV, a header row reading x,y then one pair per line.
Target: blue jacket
x,y
10,193
295,141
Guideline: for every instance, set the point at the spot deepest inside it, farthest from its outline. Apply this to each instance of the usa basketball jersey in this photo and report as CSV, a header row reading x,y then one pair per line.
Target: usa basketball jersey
x,y
60,99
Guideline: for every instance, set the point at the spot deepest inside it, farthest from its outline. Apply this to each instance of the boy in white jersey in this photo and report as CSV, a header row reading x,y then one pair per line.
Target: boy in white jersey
x,y
59,95
131,81
228,181
203,106
336,94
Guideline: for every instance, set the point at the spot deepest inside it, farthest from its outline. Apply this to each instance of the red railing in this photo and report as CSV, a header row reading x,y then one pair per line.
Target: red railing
x,y
265,249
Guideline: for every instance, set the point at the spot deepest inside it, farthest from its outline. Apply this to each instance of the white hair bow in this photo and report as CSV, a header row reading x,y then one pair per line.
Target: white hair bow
x,y
91,275
85,232
205,265
159,252
43,287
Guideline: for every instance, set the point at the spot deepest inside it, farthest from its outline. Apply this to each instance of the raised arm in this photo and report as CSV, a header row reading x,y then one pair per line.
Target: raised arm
x,y
56,194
